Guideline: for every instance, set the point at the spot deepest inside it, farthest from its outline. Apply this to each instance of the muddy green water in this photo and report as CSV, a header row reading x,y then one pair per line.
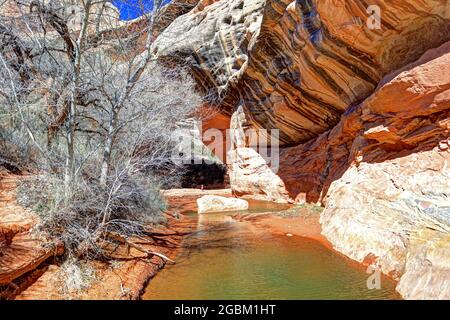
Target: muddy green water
x,y
227,259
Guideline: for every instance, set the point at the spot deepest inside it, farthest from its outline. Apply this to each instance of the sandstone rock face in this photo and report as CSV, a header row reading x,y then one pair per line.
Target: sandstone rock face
x,y
21,253
211,203
408,114
249,172
383,175
299,65
377,161
397,215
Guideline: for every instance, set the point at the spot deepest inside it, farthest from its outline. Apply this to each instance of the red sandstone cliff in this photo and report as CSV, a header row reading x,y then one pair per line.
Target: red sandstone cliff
x,y
364,111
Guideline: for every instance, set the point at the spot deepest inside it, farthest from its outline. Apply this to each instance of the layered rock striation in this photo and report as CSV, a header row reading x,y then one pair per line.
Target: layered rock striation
x,y
382,174
408,114
212,203
299,65
363,112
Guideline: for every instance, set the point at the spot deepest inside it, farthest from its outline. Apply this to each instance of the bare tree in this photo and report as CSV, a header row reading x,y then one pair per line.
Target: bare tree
x,y
72,60
97,108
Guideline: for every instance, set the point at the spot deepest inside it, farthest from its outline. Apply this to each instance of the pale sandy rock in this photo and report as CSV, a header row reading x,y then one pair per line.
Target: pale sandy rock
x,y
398,212
249,172
210,203
184,200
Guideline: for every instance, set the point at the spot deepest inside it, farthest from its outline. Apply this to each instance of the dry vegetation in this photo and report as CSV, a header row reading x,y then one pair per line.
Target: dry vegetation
x,y
85,106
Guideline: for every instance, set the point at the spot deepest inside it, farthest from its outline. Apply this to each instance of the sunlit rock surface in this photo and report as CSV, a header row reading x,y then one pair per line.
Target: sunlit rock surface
x,y
409,113
299,65
251,174
21,253
212,203
384,178
368,142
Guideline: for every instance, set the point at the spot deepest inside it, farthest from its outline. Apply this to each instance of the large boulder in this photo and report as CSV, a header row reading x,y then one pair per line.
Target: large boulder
x,y
211,203
396,215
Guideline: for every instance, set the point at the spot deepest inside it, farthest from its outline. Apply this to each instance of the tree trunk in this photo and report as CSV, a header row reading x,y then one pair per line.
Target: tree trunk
x,y
70,156
108,147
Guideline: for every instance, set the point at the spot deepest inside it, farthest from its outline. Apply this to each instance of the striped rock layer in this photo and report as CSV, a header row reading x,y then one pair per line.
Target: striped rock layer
x,y
297,66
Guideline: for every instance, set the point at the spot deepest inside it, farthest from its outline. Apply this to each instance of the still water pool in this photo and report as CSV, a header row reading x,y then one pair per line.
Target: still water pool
x,y
228,259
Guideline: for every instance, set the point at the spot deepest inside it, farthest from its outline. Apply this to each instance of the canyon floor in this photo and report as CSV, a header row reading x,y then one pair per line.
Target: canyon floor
x,y
31,268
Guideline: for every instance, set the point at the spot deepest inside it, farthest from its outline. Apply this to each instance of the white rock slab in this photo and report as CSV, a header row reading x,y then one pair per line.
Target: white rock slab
x,y
210,203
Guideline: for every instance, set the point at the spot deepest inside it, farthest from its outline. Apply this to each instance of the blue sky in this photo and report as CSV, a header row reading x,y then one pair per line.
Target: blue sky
x,y
131,9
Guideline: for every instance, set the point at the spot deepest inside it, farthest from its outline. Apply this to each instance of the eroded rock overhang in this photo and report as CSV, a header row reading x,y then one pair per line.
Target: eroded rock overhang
x,y
297,66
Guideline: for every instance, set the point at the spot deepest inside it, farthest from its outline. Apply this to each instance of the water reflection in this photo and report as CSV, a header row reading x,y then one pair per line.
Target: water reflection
x,y
231,259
